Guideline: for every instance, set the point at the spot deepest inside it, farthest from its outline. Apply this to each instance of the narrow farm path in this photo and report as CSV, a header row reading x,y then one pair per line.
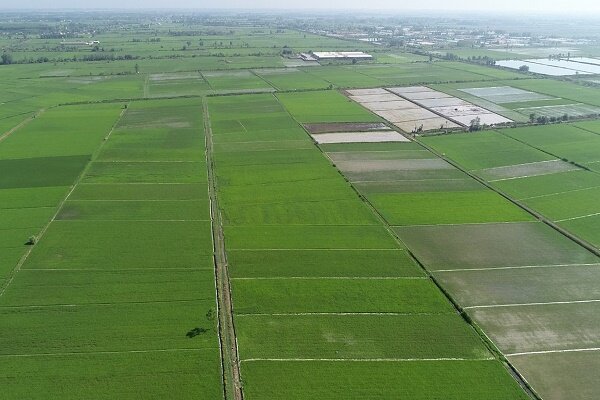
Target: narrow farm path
x,y
228,340
22,124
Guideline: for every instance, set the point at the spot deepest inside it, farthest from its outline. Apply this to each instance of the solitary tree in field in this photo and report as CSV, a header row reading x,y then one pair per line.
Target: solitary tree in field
x,y
7,58
137,68
532,118
524,68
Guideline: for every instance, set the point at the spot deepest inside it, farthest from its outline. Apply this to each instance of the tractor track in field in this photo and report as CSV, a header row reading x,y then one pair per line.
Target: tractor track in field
x,y
230,362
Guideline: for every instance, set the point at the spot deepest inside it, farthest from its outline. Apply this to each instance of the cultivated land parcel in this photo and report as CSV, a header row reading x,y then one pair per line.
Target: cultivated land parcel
x,y
202,215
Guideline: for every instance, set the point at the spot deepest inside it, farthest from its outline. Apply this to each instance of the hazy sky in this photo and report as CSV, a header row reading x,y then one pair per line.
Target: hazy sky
x,y
554,6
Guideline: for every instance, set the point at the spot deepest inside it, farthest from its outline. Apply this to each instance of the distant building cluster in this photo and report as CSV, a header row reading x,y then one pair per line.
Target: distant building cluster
x,y
335,55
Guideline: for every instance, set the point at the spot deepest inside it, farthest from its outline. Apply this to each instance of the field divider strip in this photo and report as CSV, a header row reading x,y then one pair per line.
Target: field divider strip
x,y
21,124
528,353
375,278
77,353
515,267
557,193
365,359
237,315
549,303
103,304
79,178
231,375
575,218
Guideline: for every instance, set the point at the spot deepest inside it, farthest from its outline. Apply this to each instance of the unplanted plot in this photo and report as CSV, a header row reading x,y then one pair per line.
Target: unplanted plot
x,y
546,374
359,137
366,295
527,328
492,245
522,285
358,337
526,170
321,263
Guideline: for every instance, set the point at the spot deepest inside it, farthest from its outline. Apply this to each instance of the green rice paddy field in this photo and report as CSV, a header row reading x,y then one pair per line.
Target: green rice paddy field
x,y
413,270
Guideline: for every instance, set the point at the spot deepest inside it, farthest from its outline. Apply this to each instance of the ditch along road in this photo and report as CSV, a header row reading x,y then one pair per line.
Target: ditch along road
x,y
232,385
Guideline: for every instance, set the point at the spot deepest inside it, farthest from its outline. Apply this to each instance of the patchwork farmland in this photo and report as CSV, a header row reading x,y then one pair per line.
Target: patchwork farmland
x,y
192,211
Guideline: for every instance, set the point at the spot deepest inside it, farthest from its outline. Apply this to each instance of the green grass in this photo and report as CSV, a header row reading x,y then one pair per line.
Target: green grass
x,y
146,172
184,375
542,185
308,237
325,106
338,296
115,245
135,210
124,191
431,208
49,287
567,205
450,380
32,197
322,212
586,228
88,328
484,150
321,263
357,337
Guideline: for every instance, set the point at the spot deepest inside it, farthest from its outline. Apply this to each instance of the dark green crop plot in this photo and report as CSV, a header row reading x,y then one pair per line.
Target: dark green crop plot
x,y
449,380
367,295
358,337
26,172
321,263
